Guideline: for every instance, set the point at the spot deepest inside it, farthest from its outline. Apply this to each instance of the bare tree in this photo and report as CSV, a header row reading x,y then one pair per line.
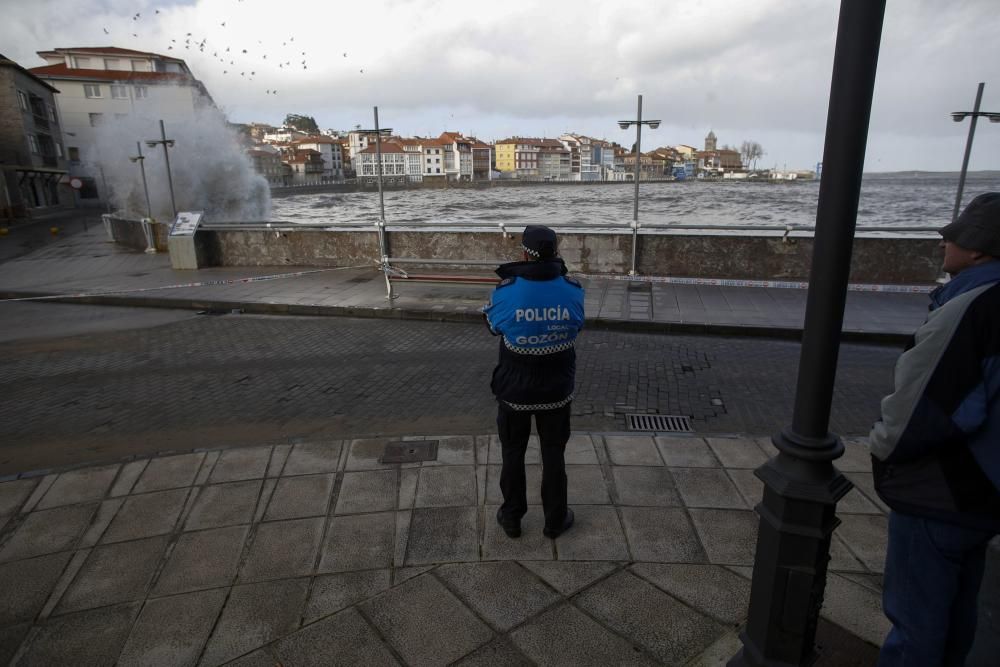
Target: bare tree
x,y
750,152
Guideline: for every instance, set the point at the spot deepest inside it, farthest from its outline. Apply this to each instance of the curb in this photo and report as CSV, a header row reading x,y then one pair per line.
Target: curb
x,y
632,326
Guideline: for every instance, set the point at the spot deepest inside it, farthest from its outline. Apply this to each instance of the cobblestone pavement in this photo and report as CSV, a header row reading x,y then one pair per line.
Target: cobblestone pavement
x,y
318,554
241,379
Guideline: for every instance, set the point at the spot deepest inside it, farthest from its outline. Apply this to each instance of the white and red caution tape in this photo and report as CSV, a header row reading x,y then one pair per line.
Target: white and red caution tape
x,y
204,283
779,284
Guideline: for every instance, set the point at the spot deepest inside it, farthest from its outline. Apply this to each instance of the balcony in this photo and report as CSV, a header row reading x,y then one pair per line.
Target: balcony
x,y
41,121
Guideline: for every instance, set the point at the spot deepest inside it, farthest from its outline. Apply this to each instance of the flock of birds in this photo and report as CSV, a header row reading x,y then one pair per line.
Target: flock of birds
x,y
234,59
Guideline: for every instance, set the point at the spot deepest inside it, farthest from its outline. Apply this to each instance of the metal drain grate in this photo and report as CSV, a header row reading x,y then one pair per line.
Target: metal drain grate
x,y
410,452
662,423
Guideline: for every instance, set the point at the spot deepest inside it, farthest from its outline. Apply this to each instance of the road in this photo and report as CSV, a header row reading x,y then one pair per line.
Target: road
x,y
87,383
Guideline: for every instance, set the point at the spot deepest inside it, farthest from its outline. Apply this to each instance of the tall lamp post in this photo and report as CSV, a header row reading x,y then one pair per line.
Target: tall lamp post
x,y
140,158
801,484
625,124
958,117
380,225
166,143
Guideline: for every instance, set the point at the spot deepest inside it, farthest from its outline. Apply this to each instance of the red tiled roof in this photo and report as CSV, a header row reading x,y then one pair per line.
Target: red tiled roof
x,y
109,50
386,148
63,72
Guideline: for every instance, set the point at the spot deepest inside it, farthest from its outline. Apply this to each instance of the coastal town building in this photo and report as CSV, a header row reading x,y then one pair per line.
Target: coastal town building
x,y
531,158
394,161
306,166
32,159
101,84
330,151
717,161
284,135
266,161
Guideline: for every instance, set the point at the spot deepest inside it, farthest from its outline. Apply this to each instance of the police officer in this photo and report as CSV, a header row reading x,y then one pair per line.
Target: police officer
x,y
538,311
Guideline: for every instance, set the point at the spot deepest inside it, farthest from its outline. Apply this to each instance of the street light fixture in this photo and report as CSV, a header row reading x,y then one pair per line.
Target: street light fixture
x,y
166,143
625,124
958,117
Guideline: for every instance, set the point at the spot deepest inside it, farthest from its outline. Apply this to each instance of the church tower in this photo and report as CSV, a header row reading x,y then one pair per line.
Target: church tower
x,y
710,141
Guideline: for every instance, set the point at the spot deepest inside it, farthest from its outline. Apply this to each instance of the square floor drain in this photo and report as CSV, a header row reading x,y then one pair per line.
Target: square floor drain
x,y
410,452
660,423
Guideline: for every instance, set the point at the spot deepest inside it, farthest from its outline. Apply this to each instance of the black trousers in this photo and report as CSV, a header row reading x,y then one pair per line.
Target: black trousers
x,y
514,427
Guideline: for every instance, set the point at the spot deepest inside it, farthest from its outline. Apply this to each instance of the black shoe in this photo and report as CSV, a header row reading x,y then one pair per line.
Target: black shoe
x,y
510,526
556,532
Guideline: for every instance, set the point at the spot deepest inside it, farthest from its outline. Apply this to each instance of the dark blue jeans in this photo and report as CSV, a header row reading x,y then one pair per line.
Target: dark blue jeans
x,y
932,576
514,427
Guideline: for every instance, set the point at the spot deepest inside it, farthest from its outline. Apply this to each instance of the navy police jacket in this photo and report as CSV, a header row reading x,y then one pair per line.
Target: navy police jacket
x,y
538,311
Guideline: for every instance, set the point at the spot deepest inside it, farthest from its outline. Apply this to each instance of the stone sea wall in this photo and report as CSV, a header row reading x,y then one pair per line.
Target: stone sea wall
x,y
876,260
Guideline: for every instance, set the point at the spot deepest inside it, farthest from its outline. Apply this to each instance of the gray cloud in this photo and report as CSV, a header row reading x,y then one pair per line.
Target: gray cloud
x,y
748,69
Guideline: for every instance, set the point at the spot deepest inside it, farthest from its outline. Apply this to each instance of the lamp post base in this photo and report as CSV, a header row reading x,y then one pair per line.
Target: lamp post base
x,y
797,520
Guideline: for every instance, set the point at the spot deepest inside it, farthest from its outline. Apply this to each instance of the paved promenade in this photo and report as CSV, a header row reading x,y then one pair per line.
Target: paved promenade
x,y
87,263
315,553
310,551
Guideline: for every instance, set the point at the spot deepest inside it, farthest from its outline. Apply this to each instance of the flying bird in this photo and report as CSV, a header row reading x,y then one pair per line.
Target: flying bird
x,y
252,73
223,24
244,50
362,71
345,55
106,32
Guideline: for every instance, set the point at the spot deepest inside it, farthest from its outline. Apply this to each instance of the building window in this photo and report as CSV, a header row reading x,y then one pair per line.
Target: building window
x,y
81,63
112,63
141,92
52,112
437,160
22,101
74,153
139,66
91,90
33,144
96,119
59,149
119,93
437,171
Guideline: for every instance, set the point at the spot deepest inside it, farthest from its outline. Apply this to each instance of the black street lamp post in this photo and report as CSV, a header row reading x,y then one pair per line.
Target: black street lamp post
x,y
801,485
958,117
380,225
140,158
166,143
625,124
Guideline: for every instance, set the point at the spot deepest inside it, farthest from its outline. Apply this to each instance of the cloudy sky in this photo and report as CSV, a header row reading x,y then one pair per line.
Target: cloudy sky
x,y
755,70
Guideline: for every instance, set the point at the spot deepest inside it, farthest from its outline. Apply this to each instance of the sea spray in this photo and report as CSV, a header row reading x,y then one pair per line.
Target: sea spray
x,y
210,170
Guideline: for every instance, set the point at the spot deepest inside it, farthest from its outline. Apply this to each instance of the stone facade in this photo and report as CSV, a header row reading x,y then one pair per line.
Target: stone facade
x,y
31,152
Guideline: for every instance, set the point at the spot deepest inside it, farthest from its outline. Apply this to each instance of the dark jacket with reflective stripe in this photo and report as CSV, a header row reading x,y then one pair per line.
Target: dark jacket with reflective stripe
x,y
538,311
936,450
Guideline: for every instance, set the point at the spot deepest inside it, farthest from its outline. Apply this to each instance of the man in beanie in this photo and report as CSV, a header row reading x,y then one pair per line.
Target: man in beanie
x,y
936,452
538,311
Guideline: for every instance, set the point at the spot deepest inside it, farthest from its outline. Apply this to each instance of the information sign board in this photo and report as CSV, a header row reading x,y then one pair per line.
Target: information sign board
x,y
186,223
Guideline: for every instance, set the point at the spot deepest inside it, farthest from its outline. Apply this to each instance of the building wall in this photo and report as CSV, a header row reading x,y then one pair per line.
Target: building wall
x,y
18,194
505,157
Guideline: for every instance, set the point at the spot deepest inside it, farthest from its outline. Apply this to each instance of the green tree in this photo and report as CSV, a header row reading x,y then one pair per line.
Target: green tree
x,y
303,123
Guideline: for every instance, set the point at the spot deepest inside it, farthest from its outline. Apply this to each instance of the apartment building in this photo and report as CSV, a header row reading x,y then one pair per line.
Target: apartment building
x,y
32,160
330,150
394,161
100,84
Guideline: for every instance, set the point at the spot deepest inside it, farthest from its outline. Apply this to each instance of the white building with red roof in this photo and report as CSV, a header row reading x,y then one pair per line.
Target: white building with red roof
x,y
331,151
98,85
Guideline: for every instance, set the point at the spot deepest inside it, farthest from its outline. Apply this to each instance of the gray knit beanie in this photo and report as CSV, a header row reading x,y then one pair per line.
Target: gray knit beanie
x,y
978,227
